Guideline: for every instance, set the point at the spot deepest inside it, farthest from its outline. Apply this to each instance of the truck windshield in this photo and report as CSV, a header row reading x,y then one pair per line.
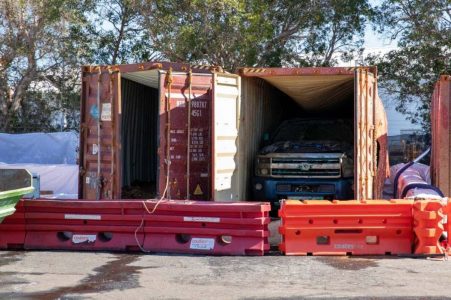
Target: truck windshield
x,y
304,130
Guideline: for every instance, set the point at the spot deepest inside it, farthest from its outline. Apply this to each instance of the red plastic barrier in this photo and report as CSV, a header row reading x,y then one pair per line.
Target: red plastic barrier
x,y
175,226
428,216
373,227
12,229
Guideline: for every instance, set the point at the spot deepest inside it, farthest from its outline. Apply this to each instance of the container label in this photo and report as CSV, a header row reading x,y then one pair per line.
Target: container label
x,y
202,244
106,112
95,149
83,238
82,217
202,219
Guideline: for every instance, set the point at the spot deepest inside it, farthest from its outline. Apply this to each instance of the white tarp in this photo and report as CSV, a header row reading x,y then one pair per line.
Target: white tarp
x,y
39,148
57,181
53,156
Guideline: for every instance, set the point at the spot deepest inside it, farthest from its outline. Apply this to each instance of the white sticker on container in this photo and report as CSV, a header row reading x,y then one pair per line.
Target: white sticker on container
x,y
202,219
95,149
202,244
82,217
106,112
87,179
83,238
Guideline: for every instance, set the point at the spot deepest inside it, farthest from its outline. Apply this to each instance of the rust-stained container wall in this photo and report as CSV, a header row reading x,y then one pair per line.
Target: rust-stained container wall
x,y
441,135
271,95
195,135
131,134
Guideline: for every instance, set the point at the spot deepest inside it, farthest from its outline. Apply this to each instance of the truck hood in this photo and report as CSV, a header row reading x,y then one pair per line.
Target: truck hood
x,y
308,147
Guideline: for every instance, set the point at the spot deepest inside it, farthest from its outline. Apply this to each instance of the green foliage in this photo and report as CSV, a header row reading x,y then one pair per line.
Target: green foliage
x,y
226,33
37,46
43,43
423,32
249,33
117,35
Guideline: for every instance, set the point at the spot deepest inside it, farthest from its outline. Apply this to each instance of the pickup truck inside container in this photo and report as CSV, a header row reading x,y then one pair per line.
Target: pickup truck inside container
x,y
307,158
302,136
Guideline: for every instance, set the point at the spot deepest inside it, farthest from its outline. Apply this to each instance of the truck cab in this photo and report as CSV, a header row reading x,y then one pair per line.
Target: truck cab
x,y
306,158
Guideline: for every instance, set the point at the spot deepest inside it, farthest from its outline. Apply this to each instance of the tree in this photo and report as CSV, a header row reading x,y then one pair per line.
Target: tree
x,y
226,33
117,35
237,33
32,34
422,30
338,31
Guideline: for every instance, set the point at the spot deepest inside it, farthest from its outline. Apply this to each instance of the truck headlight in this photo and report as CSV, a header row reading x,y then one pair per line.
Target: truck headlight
x,y
264,171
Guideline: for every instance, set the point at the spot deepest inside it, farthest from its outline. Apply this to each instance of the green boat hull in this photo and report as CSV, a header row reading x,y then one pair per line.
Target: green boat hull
x,y
13,185
9,199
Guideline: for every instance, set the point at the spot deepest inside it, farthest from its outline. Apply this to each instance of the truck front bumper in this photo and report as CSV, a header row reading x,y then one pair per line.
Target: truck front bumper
x,y
274,189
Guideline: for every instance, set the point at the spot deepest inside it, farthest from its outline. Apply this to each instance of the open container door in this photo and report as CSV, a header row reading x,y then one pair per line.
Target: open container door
x,y
364,135
226,120
185,134
100,125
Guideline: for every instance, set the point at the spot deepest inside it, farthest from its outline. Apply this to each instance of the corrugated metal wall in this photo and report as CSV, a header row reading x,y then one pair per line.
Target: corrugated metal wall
x,y
263,108
139,132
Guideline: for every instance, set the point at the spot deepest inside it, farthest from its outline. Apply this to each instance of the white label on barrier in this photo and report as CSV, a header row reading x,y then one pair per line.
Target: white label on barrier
x,y
82,217
202,244
202,219
83,238
348,246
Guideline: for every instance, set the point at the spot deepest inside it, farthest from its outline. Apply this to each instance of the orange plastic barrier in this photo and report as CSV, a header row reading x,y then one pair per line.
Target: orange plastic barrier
x,y
373,227
428,227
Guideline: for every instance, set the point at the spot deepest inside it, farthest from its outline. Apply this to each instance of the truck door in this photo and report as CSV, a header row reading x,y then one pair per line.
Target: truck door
x,y
226,95
99,131
364,135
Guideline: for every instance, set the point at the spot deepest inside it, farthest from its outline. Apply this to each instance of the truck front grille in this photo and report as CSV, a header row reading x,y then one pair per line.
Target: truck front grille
x,y
306,167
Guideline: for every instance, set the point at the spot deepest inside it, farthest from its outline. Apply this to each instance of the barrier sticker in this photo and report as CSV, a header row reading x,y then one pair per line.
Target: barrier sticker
x,y
202,244
202,219
82,217
83,238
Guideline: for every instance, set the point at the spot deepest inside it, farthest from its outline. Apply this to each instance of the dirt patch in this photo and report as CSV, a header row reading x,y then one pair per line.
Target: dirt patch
x,y
347,263
114,275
